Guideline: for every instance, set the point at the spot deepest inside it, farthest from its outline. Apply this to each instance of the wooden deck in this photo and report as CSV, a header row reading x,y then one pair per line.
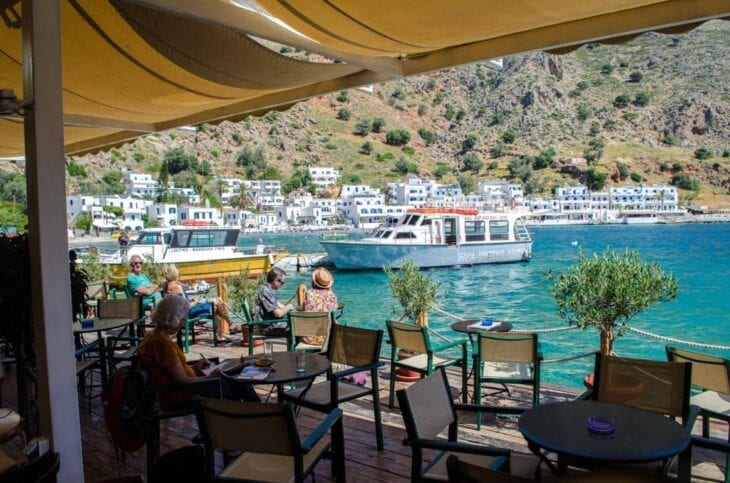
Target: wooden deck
x,y
363,462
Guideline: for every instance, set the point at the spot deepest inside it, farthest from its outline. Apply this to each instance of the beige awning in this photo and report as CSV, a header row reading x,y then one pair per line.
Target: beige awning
x,y
134,67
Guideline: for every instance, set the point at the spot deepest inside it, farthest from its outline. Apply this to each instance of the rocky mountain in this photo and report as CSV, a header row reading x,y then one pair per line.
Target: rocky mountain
x,y
653,110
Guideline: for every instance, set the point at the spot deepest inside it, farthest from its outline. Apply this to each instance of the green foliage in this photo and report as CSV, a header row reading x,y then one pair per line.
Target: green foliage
x,y
498,150
343,96
362,128
606,69
378,124
422,109
621,101
427,136
508,136
430,84
330,146
398,93
663,166
521,168
582,85
630,116
726,154
402,166
685,182
397,137
595,180
636,177
178,160
467,182
641,99
137,156
594,151
609,125
385,157
468,143
492,166
442,169
113,183
677,167
635,77
460,114
366,148
497,118
449,112
237,138
408,150
669,140
437,99
416,292
74,169
343,114
95,270
83,221
582,112
605,291
544,159
471,162
595,128
351,179
703,153
12,189
114,210
623,170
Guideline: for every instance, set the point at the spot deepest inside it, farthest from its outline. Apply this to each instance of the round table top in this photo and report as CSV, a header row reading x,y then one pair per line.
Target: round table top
x,y
10,424
285,369
103,324
639,435
463,326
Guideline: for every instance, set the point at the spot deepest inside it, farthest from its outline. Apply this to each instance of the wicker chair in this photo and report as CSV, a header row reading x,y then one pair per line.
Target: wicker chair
x,y
359,349
267,436
425,360
506,359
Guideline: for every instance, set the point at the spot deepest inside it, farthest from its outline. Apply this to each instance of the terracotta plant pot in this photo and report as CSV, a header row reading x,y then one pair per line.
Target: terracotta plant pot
x,y
406,375
245,338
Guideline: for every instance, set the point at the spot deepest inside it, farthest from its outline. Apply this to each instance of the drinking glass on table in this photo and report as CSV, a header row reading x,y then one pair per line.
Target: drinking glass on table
x,y
301,360
268,350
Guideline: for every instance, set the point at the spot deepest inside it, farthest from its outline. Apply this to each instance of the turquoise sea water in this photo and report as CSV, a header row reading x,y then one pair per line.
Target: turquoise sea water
x,y
698,255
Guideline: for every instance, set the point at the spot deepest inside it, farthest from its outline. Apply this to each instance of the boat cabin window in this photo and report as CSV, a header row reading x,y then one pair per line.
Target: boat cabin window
x,y
499,230
406,219
426,221
208,238
414,220
387,234
149,238
182,238
475,230
404,234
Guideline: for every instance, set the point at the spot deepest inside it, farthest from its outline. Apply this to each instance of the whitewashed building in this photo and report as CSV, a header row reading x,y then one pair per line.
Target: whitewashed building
x,y
654,198
75,205
189,193
165,213
288,214
324,177
327,207
141,184
573,198
357,189
300,197
239,218
133,209
200,214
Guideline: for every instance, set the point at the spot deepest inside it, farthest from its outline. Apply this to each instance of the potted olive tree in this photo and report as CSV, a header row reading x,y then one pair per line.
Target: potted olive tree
x,y
415,291
605,291
240,288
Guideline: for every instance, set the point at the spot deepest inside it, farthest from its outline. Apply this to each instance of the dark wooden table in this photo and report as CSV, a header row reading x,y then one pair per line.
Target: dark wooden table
x,y
100,325
463,327
639,436
284,370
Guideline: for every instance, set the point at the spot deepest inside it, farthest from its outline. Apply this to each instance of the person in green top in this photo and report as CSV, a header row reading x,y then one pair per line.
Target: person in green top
x,y
140,285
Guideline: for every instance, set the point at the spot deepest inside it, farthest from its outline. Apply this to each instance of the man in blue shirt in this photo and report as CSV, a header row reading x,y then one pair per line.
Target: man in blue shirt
x,y
139,284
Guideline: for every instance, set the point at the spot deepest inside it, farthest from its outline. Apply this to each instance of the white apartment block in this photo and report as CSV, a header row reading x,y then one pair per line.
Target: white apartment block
x,y
357,189
164,213
75,205
141,184
239,218
198,214
189,193
413,192
327,206
324,177
654,198
600,201
288,214
266,221
133,209
573,198
369,216
263,187
300,197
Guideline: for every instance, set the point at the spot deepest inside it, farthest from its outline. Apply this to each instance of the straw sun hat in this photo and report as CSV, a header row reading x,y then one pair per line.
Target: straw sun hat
x,y
322,278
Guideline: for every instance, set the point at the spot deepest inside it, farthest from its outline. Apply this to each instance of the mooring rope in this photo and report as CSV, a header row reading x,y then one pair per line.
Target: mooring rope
x,y
678,341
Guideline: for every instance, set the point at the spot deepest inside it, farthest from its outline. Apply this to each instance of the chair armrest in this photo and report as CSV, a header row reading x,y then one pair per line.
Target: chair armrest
x,y
711,443
322,429
441,444
89,347
448,345
585,396
489,409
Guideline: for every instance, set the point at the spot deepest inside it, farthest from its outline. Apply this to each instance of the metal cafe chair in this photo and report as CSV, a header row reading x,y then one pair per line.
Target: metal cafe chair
x,y
355,350
251,324
506,359
424,358
428,409
316,325
266,434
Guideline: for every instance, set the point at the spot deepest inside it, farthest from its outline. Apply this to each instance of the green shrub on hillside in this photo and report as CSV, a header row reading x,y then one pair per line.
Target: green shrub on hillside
x,y
366,148
397,137
408,150
544,159
641,99
442,169
385,157
636,177
343,114
343,96
595,180
726,154
606,69
449,112
427,136
621,101
467,183
676,167
685,182
460,114
669,140
635,77
492,166
422,109
623,170
497,118
508,136
703,153
471,162
468,143
362,128
595,128
378,124
74,169
498,150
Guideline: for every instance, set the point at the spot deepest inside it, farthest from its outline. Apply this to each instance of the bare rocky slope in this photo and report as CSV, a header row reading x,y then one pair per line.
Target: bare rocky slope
x,y
654,105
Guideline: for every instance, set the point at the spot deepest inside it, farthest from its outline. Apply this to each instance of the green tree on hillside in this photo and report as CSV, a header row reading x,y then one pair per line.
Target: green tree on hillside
x,y
471,162
362,128
509,136
468,143
621,101
178,160
397,137
467,183
544,159
366,148
595,180
113,183
378,124
427,136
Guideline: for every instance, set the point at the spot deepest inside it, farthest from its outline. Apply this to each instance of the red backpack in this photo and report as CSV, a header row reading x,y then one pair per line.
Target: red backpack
x,y
125,402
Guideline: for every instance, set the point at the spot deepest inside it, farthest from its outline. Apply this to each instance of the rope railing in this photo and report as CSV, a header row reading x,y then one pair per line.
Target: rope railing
x,y
568,358
678,341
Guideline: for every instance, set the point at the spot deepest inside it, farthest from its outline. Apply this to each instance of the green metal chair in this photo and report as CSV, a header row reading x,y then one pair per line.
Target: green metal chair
x,y
309,324
188,332
424,359
251,323
504,358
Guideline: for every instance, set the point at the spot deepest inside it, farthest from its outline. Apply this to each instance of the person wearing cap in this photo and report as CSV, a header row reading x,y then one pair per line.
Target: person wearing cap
x,y
320,298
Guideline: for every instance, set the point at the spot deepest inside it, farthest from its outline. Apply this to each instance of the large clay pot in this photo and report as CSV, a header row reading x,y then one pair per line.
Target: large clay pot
x,y
245,338
403,374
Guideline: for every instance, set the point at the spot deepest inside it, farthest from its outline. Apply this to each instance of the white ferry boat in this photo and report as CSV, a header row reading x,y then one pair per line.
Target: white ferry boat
x,y
437,237
198,252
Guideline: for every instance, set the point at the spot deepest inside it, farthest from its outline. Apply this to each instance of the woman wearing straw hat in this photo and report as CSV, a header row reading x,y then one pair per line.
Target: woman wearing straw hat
x,y
320,298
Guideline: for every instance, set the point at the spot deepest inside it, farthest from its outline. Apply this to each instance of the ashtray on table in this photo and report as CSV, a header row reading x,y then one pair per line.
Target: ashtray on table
x,y
601,424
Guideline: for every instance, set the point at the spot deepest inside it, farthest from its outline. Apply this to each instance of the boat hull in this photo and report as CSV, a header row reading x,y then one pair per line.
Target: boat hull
x,y
356,255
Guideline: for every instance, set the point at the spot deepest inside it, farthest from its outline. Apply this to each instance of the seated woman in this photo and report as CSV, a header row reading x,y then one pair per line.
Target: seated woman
x,y
171,286
165,363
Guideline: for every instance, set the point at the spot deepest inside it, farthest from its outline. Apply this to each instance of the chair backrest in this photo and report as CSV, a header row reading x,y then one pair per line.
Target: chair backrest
x,y
465,472
248,426
354,346
505,347
310,324
96,290
246,311
119,308
427,406
658,386
408,336
41,470
708,371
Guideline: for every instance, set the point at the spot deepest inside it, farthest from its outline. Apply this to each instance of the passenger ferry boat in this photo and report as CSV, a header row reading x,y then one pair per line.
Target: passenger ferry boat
x,y
198,252
437,237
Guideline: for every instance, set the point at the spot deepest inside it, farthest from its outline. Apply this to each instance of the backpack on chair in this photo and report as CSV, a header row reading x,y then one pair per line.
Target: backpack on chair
x,y
126,412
